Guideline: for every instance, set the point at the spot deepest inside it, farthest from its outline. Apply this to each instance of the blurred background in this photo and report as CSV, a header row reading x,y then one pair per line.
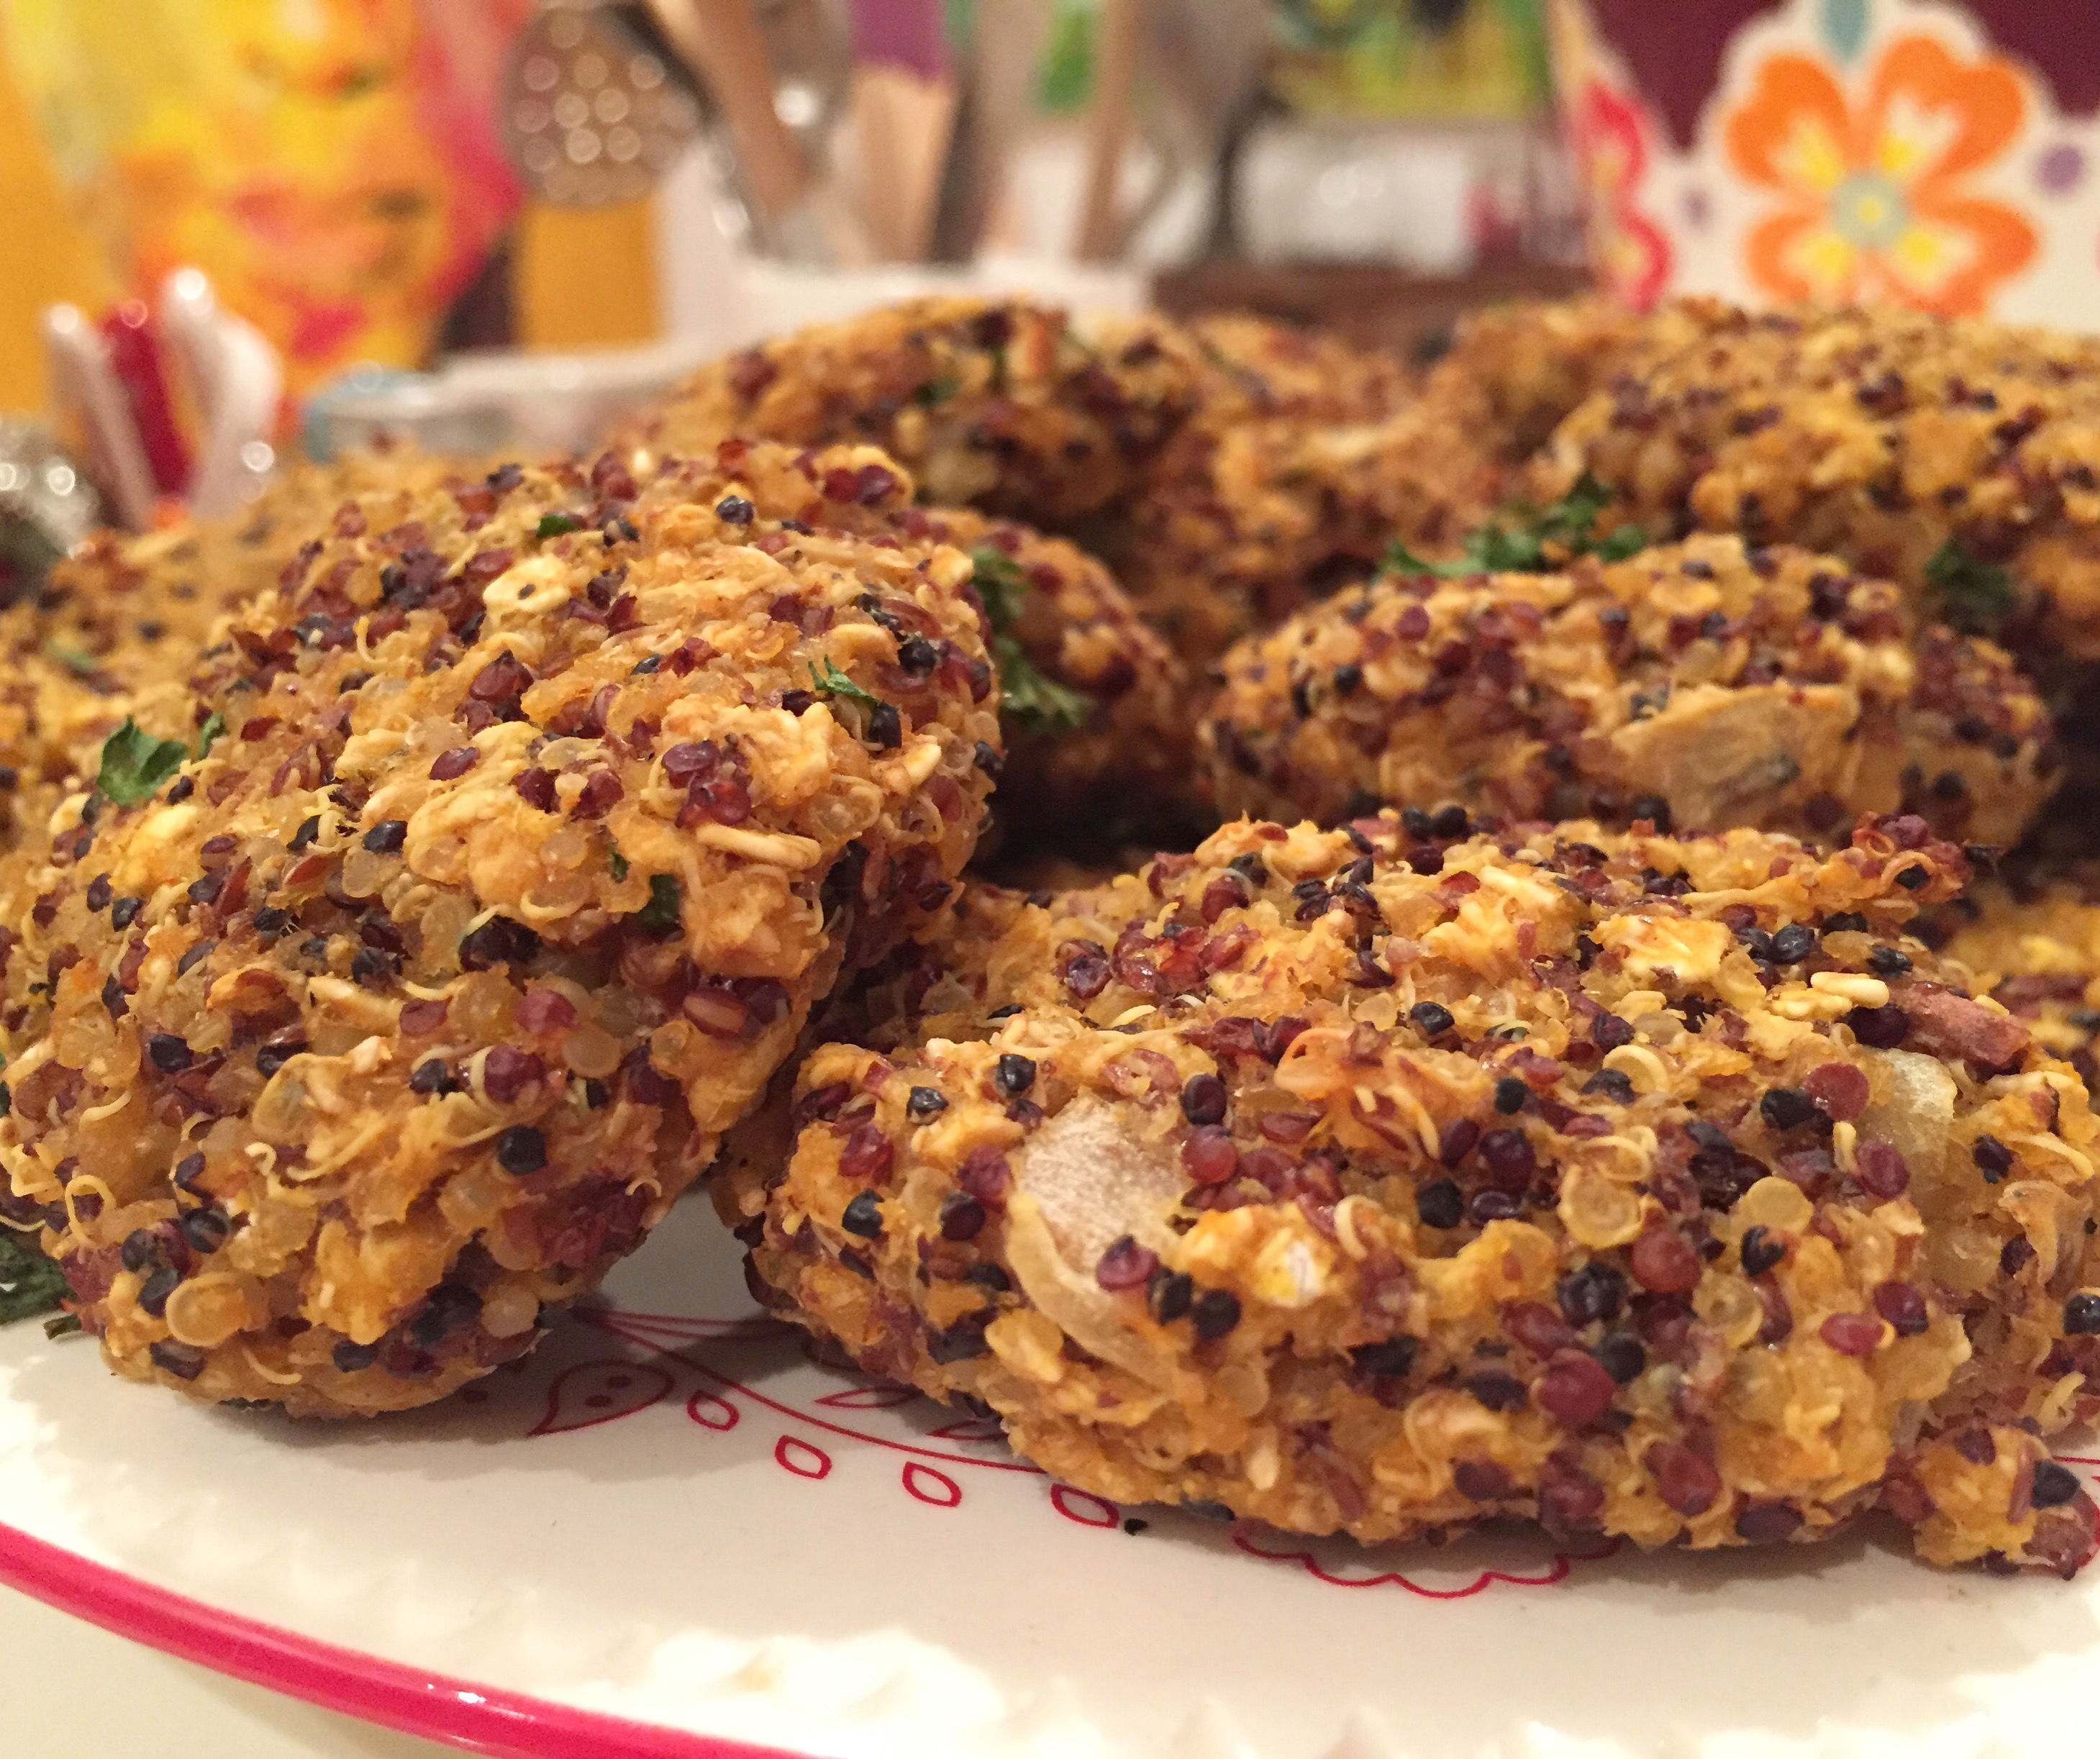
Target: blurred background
x,y
239,226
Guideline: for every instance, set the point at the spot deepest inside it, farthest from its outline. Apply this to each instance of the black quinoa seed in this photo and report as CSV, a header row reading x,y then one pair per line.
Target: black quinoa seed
x,y
1792,943
99,892
1621,1355
2054,1485
154,1292
1591,1293
185,1361
188,1170
885,727
863,1216
1013,1075
167,1052
140,1250
2082,1315
1761,1250
521,1149
206,1230
1888,961
350,1357
124,911
1510,1094
925,1103
1993,1159
387,837
1439,1204
1432,1020
1216,1312
1614,1084
1787,1108
1169,1295
1392,1358
733,509
430,1076
309,832
1203,1100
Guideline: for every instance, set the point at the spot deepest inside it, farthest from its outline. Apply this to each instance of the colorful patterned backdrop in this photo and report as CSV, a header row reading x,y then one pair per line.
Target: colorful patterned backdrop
x,y
329,163
1842,149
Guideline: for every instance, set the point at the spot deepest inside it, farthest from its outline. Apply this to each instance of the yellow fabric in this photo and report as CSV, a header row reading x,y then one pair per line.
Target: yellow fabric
x,y
584,278
50,255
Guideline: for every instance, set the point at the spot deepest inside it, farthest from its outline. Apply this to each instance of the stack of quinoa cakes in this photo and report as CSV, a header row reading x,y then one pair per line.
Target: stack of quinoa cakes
x,y
1487,996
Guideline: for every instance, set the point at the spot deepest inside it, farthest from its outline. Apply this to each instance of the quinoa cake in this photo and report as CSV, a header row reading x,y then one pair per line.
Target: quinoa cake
x,y
1662,1188
1514,371
1231,537
1700,683
2033,941
1958,457
137,607
1095,707
1003,404
513,845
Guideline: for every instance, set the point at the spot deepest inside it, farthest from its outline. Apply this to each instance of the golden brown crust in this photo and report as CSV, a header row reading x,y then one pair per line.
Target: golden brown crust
x,y
1882,436
1700,683
533,828
999,404
1654,1186
2033,941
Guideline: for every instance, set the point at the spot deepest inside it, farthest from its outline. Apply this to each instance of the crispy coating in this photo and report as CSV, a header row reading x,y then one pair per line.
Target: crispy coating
x,y
142,605
1252,369
2033,941
1232,535
1263,504
533,829
1003,404
1514,371
1882,436
1631,1183
1697,683
117,625
1112,739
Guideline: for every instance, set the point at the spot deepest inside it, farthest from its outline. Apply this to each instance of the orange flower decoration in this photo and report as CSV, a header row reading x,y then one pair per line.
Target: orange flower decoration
x,y
1873,203
1627,249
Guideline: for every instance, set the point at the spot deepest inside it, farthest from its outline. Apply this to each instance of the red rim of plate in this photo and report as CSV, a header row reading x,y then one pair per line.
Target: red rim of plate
x,y
434,1706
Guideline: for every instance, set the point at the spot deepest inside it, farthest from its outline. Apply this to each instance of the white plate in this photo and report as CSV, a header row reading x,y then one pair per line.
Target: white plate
x,y
671,1532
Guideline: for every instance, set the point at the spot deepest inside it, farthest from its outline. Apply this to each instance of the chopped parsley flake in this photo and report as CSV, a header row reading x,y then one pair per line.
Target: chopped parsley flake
x,y
556,525
619,866
1535,539
1975,594
829,681
1001,584
29,1282
659,915
1038,704
208,733
134,763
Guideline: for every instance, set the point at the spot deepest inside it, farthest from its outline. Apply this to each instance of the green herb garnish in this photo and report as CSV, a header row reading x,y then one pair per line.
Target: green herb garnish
x,y
134,763
659,915
935,392
1001,584
831,682
1975,594
619,866
65,1325
557,525
78,661
208,733
1038,704
29,1282
1535,539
